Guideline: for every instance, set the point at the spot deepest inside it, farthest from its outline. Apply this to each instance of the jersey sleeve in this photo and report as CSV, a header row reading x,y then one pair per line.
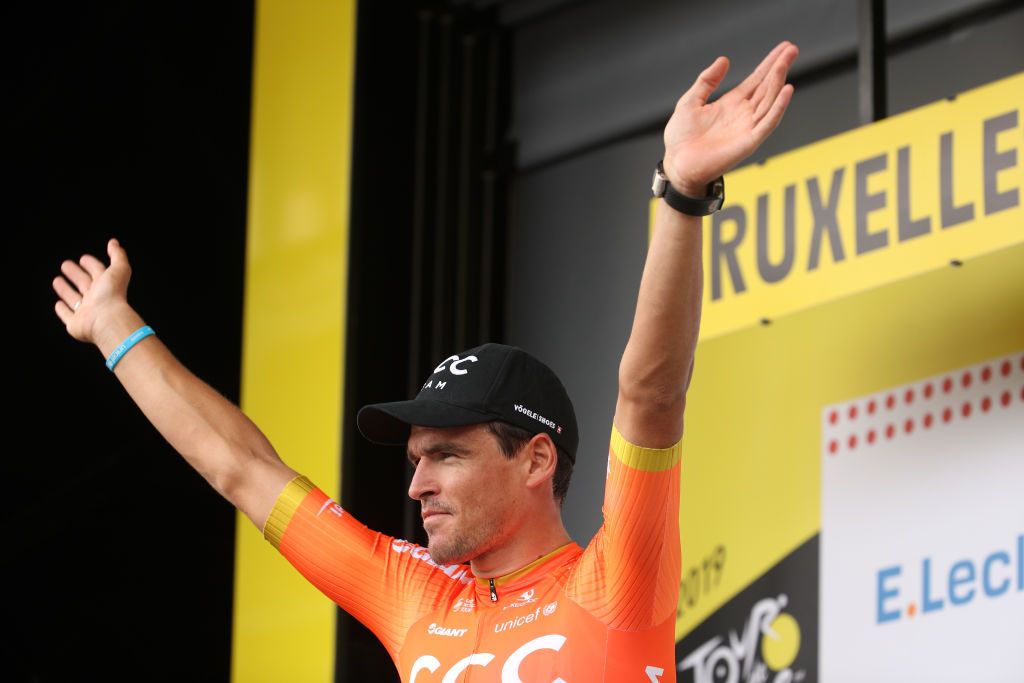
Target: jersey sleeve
x,y
628,577
385,583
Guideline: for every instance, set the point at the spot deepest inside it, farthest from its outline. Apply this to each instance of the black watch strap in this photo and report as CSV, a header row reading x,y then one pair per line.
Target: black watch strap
x,y
691,206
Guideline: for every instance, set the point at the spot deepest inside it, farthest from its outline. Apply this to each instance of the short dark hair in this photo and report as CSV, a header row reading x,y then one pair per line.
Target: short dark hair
x,y
511,440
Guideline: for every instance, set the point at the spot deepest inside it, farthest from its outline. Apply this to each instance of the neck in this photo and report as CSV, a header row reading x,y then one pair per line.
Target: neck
x,y
529,542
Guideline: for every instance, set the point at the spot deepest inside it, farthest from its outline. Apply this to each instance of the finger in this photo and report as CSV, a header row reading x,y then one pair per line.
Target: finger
x,y
772,86
750,83
68,294
77,275
119,258
116,252
706,83
766,125
64,312
92,265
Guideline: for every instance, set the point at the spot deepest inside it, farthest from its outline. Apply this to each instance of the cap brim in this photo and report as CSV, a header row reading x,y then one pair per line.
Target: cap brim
x,y
389,423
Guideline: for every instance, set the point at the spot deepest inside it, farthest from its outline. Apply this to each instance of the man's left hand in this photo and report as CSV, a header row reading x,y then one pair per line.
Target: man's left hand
x,y
704,140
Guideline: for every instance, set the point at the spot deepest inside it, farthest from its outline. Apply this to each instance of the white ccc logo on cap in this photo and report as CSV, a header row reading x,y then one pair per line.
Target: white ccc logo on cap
x,y
454,367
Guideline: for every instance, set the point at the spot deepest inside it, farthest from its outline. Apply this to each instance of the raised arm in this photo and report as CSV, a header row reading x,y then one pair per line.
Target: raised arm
x,y
702,141
210,432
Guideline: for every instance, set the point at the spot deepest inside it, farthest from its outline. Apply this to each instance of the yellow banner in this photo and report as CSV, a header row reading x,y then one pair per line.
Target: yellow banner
x,y
295,296
932,187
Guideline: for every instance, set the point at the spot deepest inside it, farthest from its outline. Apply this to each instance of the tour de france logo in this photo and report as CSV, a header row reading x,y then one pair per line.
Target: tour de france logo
x,y
763,652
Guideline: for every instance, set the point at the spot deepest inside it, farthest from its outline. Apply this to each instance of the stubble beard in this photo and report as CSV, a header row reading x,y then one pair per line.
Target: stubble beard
x,y
462,545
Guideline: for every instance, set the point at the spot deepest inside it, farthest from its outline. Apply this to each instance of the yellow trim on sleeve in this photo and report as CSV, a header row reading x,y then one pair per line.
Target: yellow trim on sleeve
x,y
645,459
295,491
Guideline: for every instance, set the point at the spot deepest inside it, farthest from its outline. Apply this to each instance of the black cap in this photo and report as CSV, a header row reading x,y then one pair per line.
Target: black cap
x,y
489,382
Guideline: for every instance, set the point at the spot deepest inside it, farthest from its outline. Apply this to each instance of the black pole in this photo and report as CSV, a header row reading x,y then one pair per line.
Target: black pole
x,y
871,60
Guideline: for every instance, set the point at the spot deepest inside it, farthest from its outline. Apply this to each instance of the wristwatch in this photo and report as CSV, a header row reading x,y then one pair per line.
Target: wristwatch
x,y
691,206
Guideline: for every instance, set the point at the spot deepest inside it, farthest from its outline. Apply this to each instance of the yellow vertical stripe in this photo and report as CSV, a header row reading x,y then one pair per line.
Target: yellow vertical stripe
x,y
293,339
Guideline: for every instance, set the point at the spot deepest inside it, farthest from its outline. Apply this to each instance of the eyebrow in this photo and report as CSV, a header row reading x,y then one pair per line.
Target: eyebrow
x,y
439,447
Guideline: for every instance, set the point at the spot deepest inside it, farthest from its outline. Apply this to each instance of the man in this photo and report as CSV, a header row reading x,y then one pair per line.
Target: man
x,y
492,436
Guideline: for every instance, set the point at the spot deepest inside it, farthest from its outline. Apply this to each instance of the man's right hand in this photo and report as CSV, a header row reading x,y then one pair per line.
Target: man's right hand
x,y
95,292
209,431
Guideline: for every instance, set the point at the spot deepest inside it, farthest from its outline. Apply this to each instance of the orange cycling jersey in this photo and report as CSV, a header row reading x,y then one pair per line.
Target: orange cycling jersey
x,y
604,613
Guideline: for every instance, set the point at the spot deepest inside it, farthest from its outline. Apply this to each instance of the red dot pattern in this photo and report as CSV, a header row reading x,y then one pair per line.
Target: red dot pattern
x,y
926,392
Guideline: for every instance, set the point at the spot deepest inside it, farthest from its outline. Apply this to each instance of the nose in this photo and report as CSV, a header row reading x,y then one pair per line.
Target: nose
x,y
423,483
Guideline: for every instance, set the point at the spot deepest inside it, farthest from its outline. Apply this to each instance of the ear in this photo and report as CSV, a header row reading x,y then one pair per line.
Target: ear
x,y
540,460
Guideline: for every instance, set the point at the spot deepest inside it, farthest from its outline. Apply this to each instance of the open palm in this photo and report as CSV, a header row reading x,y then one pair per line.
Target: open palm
x,y
704,140
88,288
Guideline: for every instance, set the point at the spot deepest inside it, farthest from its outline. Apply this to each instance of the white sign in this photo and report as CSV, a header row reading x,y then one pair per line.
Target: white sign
x,y
922,530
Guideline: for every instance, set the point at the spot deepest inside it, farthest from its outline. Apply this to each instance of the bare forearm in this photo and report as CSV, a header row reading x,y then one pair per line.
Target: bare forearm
x,y
656,364
210,432
703,140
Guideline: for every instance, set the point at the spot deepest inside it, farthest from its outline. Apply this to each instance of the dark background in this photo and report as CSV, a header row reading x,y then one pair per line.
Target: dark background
x,y
128,120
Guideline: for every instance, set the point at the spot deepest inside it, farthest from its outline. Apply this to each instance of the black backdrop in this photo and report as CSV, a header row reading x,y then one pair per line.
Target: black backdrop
x,y
128,120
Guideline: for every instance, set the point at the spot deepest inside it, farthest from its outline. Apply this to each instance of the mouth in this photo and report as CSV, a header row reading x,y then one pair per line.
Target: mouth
x,y
431,514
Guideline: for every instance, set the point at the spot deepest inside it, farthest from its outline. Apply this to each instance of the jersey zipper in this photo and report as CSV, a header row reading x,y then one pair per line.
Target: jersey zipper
x,y
479,613
494,591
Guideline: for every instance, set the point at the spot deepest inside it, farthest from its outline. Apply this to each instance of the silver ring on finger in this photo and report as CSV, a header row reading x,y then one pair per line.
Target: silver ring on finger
x,y
77,304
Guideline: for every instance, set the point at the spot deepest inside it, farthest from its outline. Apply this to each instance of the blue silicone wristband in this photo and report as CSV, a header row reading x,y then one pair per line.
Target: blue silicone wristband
x,y
122,348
